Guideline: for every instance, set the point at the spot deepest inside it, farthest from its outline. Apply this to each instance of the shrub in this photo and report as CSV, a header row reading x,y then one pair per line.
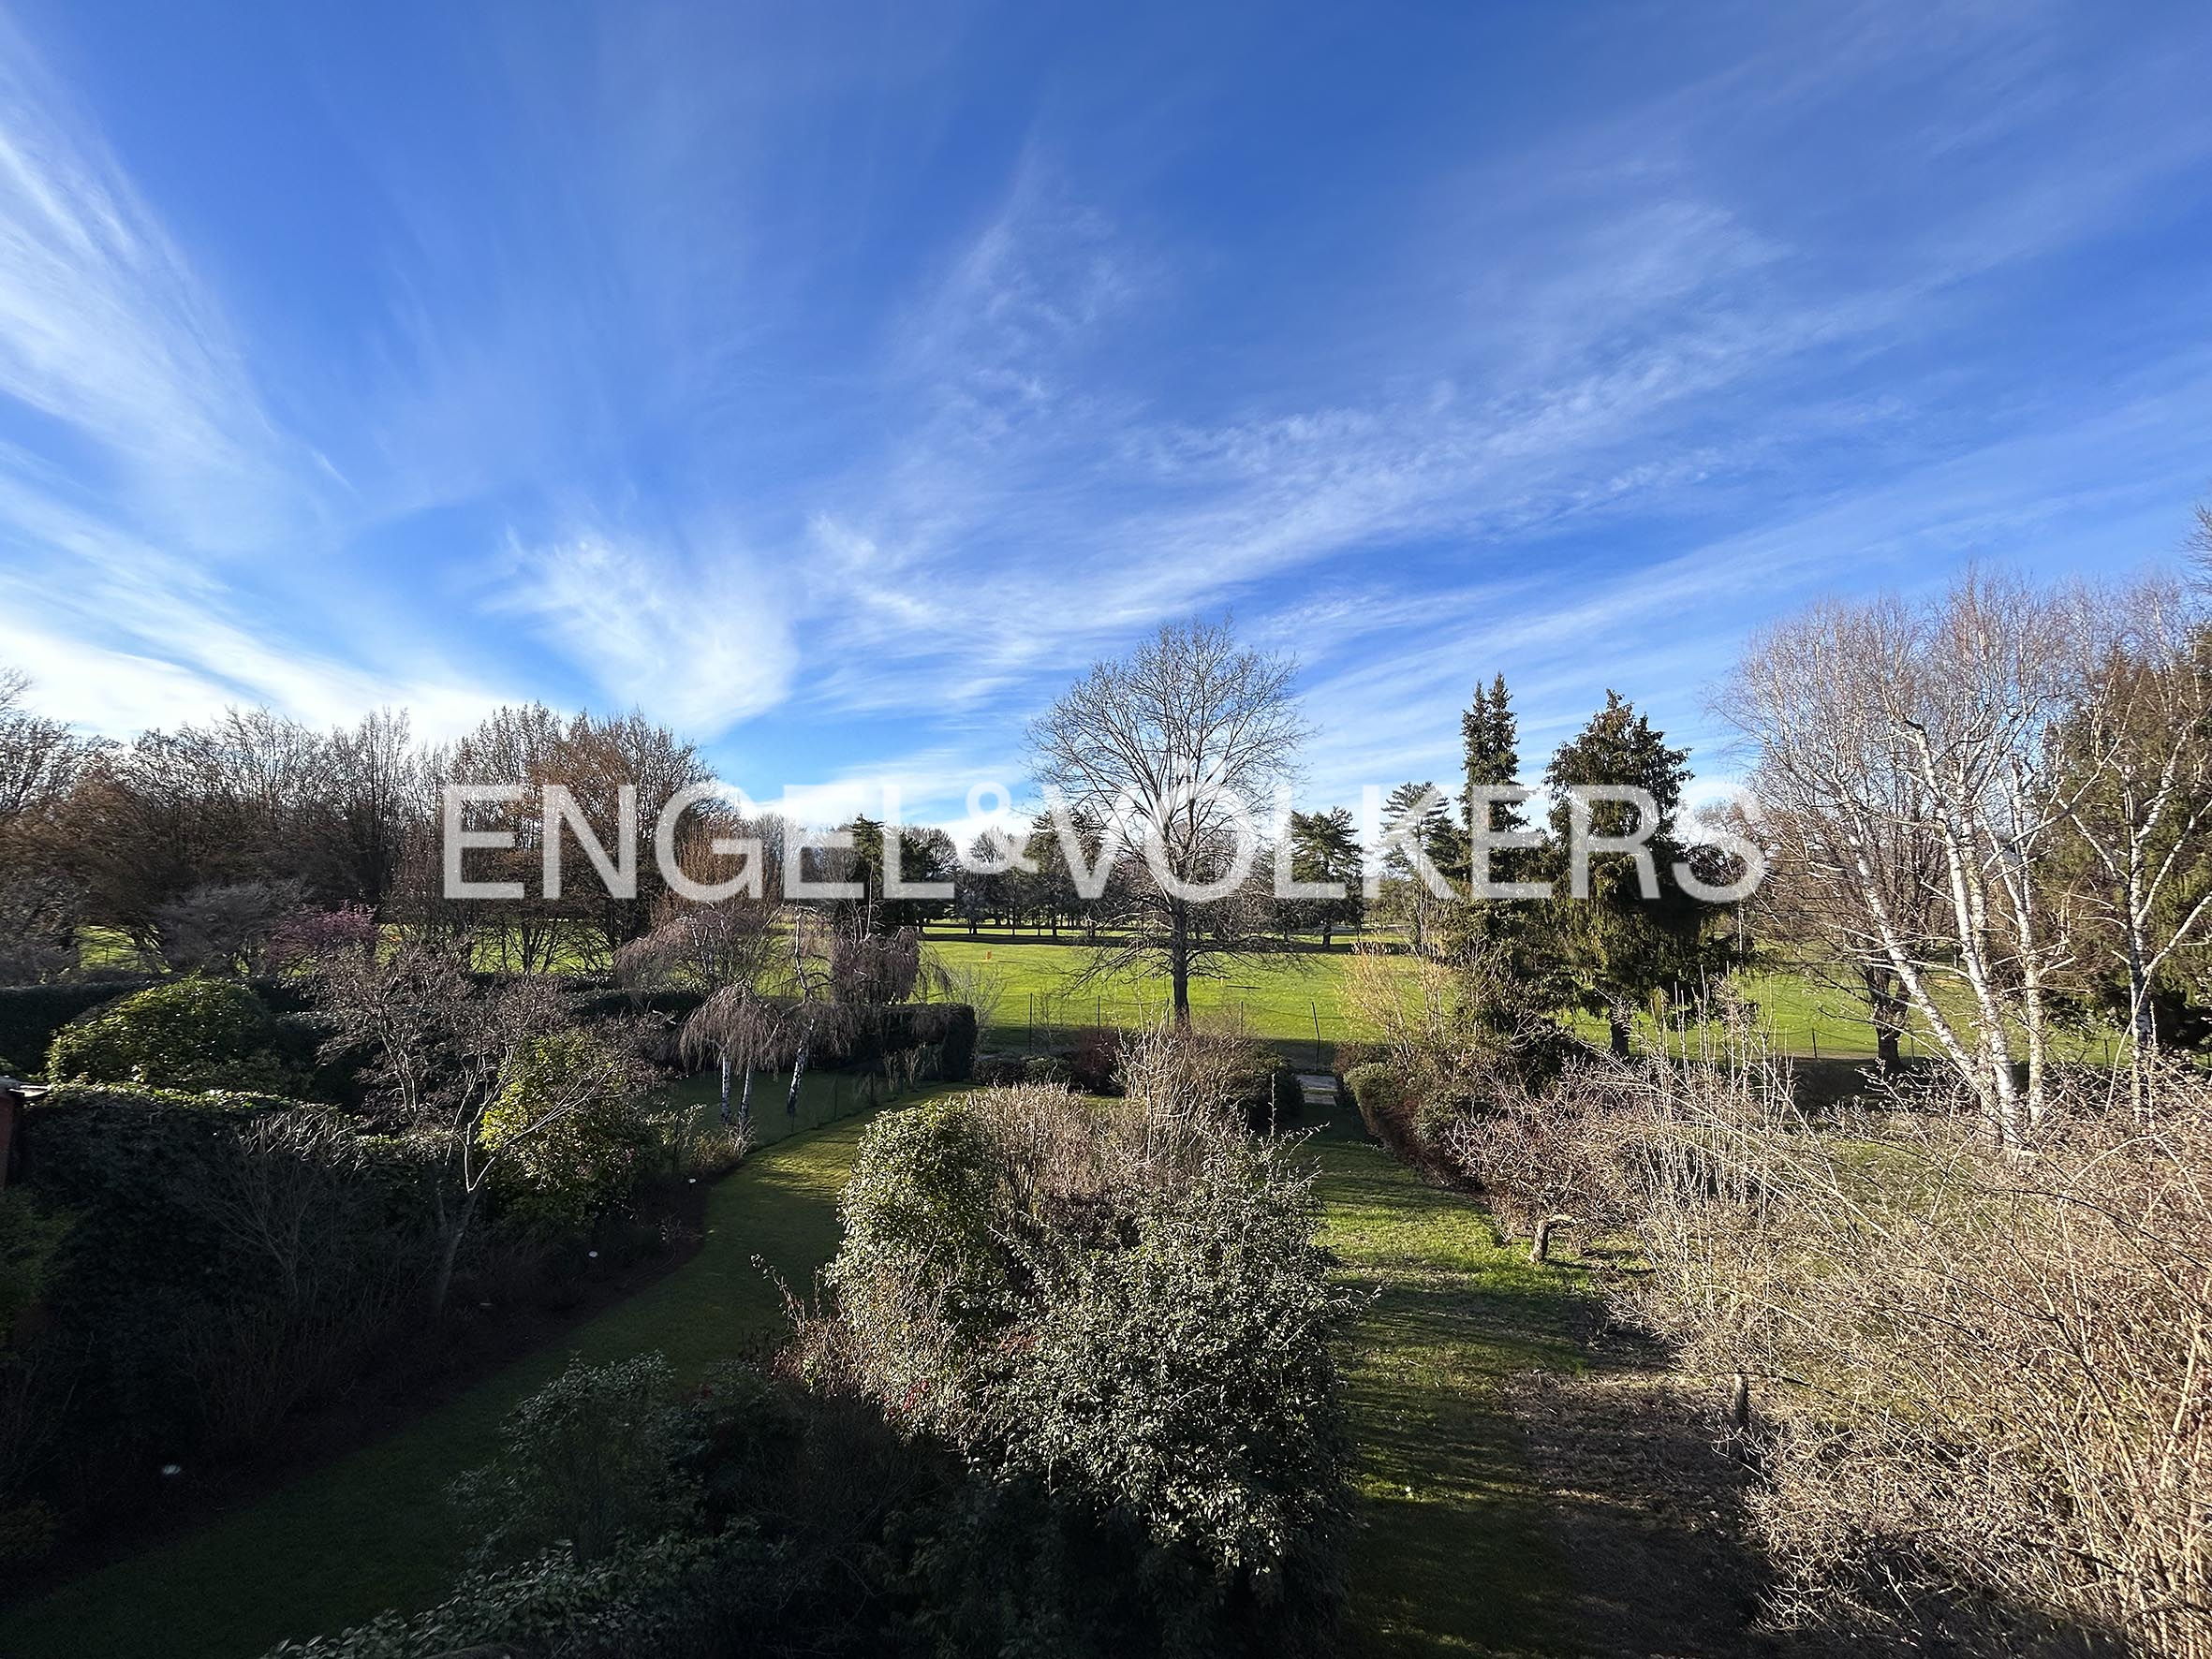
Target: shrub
x,y
566,1173
1351,1056
1123,1304
673,1597
30,1235
1047,1068
587,1463
30,1014
1379,1094
186,1033
227,1259
688,1144
996,1071
1095,1062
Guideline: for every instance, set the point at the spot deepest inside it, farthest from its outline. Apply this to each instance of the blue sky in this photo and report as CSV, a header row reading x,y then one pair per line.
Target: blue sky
x,y
833,382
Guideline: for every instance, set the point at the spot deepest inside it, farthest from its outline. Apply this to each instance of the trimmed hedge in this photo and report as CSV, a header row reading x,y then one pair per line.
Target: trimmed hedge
x,y
31,1014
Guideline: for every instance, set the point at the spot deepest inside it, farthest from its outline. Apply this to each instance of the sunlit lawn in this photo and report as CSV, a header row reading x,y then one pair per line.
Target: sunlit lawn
x,y
1452,1554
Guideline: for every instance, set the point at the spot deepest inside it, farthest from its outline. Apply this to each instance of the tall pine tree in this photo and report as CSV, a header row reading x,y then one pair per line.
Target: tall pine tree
x,y
1491,745
1616,949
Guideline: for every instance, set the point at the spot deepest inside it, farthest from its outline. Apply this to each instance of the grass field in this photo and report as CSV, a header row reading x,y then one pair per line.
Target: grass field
x,y
374,1530
1303,999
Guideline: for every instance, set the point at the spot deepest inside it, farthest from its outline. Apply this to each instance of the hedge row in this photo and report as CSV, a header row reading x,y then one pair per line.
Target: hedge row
x,y
31,1014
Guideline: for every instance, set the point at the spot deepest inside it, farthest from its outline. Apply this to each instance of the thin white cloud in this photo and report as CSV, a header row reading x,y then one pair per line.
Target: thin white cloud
x,y
701,643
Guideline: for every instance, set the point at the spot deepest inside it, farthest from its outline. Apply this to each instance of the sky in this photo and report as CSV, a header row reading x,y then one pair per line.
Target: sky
x,y
835,382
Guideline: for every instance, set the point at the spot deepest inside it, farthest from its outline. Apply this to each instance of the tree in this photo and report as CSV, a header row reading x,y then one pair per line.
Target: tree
x,y
1408,900
980,884
1490,745
724,951
2132,754
41,900
1177,745
1621,945
1908,747
448,1054
226,927
1324,847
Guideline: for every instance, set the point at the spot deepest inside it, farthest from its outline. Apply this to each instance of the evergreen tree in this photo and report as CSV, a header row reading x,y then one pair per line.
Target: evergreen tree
x,y
1408,901
1491,746
1490,736
1325,846
1617,950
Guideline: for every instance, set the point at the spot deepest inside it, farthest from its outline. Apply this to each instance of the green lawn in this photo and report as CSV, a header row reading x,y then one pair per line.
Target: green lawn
x,y
374,1530
1303,999
1452,1555
1279,997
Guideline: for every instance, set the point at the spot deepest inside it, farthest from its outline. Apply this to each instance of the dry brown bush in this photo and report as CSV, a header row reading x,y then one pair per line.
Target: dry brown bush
x,y
1979,1380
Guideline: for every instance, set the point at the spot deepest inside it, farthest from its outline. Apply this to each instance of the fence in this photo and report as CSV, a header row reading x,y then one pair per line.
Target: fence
x,y
1303,1032
1306,1033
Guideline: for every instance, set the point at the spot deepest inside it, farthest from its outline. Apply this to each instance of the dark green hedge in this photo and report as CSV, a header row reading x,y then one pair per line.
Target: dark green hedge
x,y
31,1014
152,1294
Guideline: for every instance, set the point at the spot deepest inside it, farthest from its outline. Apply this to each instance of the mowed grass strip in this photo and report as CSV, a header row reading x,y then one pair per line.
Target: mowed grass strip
x,y
374,1530
1452,1553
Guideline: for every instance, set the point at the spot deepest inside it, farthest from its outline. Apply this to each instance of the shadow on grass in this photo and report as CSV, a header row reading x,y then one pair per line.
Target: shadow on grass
x,y
1454,1554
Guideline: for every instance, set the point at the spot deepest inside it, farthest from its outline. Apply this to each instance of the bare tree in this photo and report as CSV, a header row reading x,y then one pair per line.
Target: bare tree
x,y
1907,747
1177,746
226,927
2134,757
448,1051
723,950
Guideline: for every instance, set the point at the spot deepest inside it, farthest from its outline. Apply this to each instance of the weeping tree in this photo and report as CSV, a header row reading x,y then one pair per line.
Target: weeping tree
x,y
842,980
724,950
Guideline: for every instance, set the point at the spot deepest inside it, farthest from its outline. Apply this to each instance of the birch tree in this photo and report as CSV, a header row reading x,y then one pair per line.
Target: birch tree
x,y
1909,745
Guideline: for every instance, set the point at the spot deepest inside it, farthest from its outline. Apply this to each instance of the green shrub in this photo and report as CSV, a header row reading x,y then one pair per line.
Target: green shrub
x,y
587,1463
1046,1068
1185,1377
566,1173
187,1033
996,1071
31,1014
1379,1094
181,1320
1150,1345
30,1235
673,1597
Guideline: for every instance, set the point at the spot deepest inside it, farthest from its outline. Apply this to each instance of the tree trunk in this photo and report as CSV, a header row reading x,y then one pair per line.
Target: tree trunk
x,y
797,1071
726,1086
745,1103
1540,1247
1617,1025
1886,1007
1739,1403
452,1231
